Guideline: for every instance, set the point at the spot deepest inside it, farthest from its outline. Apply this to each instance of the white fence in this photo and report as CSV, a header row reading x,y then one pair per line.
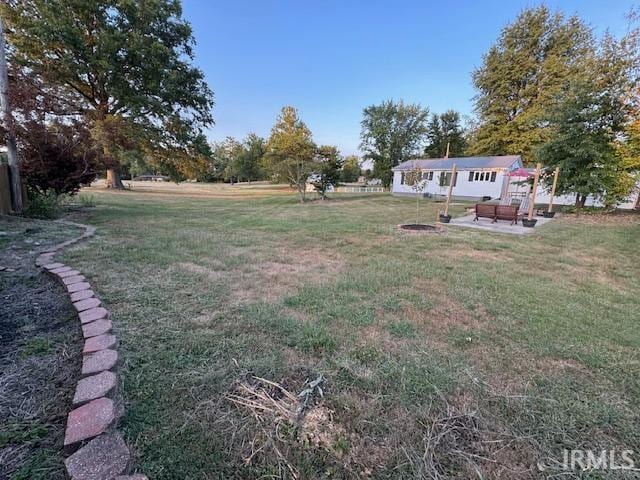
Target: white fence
x,y
346,189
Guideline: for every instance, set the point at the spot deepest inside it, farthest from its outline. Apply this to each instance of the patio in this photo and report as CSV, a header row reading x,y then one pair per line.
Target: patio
x,y
499,226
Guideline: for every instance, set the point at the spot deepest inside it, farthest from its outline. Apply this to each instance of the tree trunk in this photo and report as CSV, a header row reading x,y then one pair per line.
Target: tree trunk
x,y
15,185
580,201
637,207
301,191
113,179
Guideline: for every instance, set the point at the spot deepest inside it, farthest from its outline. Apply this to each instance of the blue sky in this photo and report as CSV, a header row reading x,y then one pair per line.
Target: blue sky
x,y
332,58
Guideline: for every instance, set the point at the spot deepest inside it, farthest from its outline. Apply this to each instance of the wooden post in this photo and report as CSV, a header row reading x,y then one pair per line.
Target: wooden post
x,y
10,139
453,177
553,188
534,190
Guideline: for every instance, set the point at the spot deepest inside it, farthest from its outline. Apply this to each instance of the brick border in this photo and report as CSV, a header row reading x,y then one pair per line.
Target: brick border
x,y
96,447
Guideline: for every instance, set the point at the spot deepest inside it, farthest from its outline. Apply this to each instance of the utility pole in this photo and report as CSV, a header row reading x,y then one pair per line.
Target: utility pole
x,y
7,121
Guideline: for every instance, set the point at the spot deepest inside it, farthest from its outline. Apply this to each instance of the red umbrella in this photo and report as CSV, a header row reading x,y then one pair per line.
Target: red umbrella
x,y
521,172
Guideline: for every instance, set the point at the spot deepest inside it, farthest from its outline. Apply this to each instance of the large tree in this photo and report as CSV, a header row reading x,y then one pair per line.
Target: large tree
x,y
127,66
593,126
445,133
246,163
536,58
392,132
290,151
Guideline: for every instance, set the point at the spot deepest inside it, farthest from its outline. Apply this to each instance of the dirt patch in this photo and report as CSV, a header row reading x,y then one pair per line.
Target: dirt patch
x,y
420,229
269,279
447,311
40,347
211,274
292,423
461,253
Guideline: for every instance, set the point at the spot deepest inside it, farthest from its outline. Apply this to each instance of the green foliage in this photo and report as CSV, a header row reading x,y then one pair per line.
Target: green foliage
x,y
443,130
588,122
417,182
350,169
245,161
290,151
327,170
42,204
535,60
392,133
124,66
402,329
37,346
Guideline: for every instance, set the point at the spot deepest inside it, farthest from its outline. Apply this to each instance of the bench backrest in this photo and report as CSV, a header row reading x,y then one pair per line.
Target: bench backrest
x,y
507,210
482,209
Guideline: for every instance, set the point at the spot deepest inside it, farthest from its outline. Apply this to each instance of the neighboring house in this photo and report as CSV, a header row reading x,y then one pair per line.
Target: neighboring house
x,y
477,178
484,178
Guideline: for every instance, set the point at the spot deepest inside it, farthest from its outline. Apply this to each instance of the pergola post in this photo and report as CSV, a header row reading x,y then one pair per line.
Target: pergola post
x,y
534,190
553,188
453,177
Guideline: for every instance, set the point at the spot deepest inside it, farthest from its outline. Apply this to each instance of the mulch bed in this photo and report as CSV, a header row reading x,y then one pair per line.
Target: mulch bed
x,y
39,364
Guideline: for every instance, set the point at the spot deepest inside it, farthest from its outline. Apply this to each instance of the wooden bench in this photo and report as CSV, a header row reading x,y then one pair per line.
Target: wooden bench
x,y
507,212
497,212
485,211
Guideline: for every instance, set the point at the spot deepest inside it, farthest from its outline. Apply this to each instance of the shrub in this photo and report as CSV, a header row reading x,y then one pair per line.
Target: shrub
x,y
57,159
42,204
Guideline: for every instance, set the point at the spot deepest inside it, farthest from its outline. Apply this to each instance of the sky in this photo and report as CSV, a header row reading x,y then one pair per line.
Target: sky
x,y
332,58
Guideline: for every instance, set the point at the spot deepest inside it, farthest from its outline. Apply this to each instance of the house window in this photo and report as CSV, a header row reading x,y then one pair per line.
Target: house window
x,y
445,179
482,176
427,175
401,178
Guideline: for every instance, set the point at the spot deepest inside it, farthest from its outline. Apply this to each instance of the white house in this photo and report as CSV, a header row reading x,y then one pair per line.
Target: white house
x,y
477,178
484,178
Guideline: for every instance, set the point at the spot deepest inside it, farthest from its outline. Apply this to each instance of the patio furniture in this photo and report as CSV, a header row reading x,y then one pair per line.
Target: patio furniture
x,y
507,212
485,211
497,212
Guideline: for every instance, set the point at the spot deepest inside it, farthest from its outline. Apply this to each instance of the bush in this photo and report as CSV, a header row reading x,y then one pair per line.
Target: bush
x,y
57,159
42,204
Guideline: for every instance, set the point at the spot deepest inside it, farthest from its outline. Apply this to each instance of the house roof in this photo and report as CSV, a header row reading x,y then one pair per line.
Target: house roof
x,y
462,163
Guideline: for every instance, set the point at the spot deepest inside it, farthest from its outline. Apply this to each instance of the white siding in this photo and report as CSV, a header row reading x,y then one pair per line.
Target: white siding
x,y
479,189
463,187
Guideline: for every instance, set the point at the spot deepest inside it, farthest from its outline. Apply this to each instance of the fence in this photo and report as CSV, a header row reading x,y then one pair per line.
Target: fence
x,y
360,189
5,192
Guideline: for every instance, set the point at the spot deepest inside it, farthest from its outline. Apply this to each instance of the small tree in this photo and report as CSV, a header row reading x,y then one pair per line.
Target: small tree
x,y
415,180
328,168
290,151
350,169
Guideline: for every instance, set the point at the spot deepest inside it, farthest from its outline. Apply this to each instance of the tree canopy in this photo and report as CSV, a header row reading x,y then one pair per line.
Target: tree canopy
x,y
594,124
535,60
290,151
326,172
445,130
392,132
124,65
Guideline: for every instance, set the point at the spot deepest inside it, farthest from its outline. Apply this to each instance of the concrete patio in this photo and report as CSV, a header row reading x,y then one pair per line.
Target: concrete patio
x,y
501,226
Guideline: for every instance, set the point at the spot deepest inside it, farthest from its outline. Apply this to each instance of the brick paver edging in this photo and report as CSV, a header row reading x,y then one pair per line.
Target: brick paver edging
x,y
97,449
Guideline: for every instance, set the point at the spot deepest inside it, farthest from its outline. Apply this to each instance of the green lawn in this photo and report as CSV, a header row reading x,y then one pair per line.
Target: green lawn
x,y
465,354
